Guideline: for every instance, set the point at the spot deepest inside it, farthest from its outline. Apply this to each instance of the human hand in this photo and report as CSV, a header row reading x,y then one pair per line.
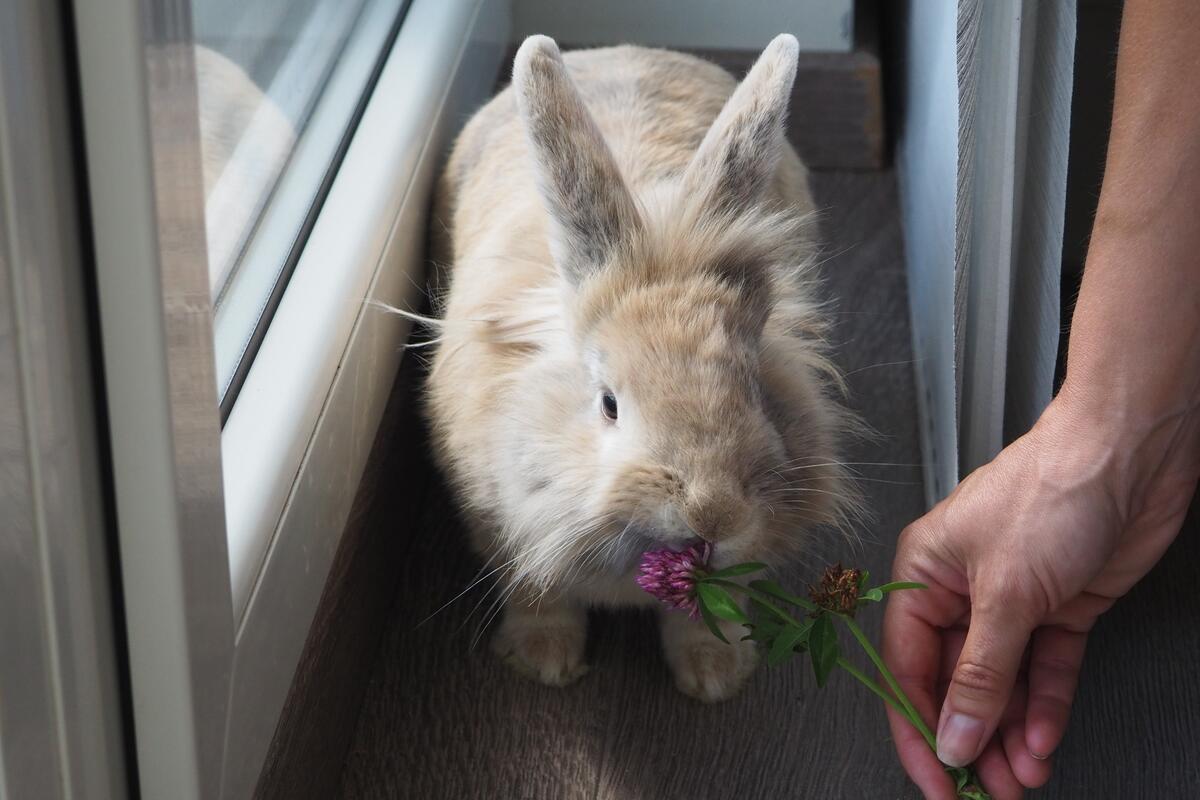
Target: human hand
x,y
1020,561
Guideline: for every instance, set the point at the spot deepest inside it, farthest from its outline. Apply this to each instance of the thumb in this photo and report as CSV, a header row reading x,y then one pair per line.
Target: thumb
x,y
982,682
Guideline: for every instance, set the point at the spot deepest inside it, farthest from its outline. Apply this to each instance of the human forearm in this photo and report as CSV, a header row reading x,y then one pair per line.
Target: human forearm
x,y
1134,359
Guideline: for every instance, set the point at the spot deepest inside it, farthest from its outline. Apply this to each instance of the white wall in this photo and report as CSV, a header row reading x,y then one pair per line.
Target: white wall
x,y
825,25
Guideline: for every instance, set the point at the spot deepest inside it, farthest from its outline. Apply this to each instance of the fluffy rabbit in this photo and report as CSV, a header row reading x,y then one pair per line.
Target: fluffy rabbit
x,y
630,356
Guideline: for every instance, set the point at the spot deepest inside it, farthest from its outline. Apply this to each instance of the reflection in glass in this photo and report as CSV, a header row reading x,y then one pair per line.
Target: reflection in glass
x,y
278,85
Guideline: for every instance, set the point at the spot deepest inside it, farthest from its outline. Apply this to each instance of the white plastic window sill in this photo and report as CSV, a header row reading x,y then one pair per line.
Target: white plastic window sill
x,y
298,437
242,290
269,430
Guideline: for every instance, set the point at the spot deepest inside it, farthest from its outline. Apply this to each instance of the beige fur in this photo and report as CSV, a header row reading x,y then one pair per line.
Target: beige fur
x,y
622,220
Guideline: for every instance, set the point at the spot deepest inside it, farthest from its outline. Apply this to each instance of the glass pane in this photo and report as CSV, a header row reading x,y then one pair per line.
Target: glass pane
x,y
280,83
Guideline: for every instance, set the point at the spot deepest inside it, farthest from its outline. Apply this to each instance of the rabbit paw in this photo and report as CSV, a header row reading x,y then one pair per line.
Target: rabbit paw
x,y
704,667
547,648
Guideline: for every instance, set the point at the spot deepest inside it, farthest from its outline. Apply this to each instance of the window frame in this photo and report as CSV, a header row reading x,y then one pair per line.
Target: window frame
x,y
264,306
212,658
61,701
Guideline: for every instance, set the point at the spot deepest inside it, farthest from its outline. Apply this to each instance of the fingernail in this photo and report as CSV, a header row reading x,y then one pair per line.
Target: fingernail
x,y
1038,756
958,739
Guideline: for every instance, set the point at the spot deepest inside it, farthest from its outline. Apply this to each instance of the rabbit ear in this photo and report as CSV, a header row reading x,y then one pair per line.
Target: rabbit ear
x,y
590,207
737,158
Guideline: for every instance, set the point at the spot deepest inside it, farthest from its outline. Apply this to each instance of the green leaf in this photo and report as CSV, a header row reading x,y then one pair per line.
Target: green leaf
x,y
720,603
764,615
737,569
896,586
966,784
769,624
766,625
822,645
759,634
863,577
974,789
784,646
766,609
711,622
871,596
775,590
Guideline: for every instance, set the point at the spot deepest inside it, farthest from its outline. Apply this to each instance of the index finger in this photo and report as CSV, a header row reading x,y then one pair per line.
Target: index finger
x,y
912,647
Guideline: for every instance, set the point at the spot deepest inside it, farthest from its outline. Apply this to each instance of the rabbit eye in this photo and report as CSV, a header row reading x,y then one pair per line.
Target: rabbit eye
x,y
608,405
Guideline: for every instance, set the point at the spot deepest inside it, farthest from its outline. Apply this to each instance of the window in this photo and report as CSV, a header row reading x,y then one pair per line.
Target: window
x,y
281,84
219,605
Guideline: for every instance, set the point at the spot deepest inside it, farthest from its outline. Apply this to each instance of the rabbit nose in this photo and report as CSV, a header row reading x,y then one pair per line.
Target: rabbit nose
x,y
711,515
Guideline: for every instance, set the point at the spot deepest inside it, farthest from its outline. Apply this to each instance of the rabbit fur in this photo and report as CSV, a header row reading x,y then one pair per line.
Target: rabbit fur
x,y
631,222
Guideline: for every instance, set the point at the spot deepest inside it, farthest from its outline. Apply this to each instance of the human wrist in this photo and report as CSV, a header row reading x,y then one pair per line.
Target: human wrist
x,y
1113,443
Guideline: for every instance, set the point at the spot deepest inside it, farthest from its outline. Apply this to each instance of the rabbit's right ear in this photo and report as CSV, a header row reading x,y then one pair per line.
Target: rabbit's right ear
x,y
590,207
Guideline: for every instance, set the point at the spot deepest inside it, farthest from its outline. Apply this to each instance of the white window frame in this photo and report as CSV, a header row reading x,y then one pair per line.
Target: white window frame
x,y
60,701
243,296
212,656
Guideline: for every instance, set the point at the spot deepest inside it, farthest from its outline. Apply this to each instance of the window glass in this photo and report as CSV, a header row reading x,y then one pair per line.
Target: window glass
x,y
280,85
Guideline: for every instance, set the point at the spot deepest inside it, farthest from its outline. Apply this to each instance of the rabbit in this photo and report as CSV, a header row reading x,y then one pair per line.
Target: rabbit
x,y
629,354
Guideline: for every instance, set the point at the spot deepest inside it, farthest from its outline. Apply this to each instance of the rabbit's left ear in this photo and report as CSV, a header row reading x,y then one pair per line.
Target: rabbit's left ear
x,y
591,210
736,160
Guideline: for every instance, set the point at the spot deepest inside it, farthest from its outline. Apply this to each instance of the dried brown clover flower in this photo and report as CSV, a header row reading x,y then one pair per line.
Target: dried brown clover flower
x,y
838,590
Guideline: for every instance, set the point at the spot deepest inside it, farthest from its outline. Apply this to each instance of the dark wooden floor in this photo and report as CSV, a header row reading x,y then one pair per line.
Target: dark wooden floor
x,y
443,719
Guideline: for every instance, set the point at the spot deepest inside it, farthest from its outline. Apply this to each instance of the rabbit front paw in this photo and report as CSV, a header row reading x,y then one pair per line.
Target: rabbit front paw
x,y
704,667
547,646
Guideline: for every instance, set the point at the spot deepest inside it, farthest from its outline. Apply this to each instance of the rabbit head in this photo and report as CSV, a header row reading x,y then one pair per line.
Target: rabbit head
x,y
696,410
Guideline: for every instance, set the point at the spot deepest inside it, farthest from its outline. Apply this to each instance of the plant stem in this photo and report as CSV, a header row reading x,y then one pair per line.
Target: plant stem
x,y
912,714
866,681
900,702
768,599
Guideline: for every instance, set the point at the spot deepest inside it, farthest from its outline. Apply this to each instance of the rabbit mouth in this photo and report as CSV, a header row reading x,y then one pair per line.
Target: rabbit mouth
x,y
623,555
